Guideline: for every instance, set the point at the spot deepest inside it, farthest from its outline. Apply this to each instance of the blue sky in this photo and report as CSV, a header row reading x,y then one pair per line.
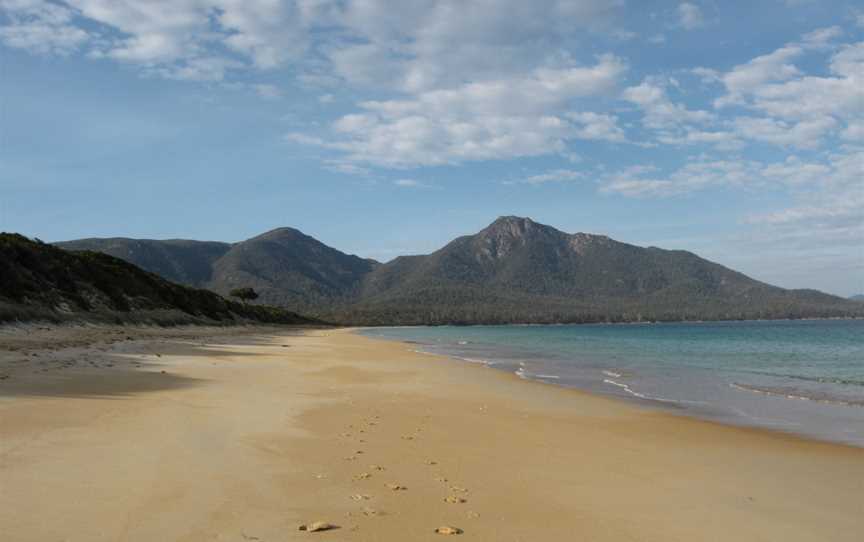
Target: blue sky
x,y
733,129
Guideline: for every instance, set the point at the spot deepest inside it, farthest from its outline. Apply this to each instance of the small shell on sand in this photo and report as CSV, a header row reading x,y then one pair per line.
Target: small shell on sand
x,y
448,530
396,487
317,526
362,476
453,499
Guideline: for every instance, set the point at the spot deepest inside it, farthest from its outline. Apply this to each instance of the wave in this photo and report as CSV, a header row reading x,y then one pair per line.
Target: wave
x,y
795,393
817,379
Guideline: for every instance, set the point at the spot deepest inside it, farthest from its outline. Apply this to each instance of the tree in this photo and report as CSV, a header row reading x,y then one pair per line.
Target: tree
x,y
244,294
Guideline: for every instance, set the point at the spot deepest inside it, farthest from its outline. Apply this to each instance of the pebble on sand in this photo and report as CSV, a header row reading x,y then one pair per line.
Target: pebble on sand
x,y
448,530
317,526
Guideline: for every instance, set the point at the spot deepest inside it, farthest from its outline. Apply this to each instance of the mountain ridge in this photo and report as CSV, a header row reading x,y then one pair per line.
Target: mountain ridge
x,y
514,270
39,281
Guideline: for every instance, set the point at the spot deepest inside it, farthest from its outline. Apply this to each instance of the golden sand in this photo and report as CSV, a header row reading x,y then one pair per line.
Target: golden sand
x,y
252,437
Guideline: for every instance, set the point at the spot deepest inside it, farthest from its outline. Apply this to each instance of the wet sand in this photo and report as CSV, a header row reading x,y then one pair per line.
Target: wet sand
x,y
200,436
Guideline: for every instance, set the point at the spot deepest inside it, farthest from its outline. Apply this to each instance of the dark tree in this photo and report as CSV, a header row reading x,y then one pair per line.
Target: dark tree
x,y
244,294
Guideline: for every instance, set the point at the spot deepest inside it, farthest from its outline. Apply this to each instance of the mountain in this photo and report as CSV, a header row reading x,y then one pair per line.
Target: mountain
x,y
517,270
286,267
41,281
178,260
513,271
858,297
291,269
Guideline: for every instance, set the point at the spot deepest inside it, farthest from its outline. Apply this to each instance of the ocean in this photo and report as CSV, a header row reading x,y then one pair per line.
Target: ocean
x,y
804,377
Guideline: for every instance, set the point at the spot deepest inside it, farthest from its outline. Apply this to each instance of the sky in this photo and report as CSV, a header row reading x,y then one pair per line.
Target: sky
x,y
733,129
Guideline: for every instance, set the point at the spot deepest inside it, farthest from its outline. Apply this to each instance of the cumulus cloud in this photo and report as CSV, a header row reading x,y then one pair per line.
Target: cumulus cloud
x,y
836,177
41,27
418,45
830,209
792,108
182,39
530,115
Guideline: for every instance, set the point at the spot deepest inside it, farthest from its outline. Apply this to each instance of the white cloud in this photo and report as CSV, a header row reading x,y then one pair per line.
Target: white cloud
x,y
836,177
659,111
595,126
806,134
690,16
746,78
409,183
181,39
822,38
641,181
420,45
793,108
557,175
41,27
530,115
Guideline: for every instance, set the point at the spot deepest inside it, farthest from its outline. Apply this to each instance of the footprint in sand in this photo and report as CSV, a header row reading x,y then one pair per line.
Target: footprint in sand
x,y
367,511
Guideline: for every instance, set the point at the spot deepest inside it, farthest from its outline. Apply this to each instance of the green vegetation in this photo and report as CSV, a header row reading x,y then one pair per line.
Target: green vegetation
x,y
244,294
40,281
513,271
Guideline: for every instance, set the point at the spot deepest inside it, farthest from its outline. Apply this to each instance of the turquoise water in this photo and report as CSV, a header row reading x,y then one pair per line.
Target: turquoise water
x,y
798,376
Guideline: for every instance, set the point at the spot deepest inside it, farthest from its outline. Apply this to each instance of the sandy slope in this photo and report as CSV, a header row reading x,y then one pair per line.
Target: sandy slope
x,y
247,437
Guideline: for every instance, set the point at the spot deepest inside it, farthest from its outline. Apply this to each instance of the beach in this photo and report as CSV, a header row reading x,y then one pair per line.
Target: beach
x,y
208,435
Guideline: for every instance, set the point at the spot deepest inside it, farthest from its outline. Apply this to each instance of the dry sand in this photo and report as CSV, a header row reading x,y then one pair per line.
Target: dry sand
x,y
197,436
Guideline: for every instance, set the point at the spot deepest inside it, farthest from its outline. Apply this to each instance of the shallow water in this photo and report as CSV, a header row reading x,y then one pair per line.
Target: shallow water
x,y
805,377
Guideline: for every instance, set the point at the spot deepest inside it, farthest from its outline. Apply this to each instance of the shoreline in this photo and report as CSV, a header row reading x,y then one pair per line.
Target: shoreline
x,y
781,409
663,406
249,436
